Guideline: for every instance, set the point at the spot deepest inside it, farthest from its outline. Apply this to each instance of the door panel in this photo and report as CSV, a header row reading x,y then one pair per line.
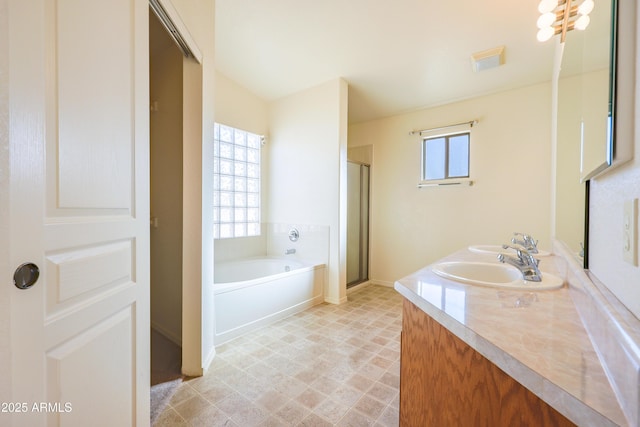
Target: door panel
x,y
78,274
92,49
80,210
79,354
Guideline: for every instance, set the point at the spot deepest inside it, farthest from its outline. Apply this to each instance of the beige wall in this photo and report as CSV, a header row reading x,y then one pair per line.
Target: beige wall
x,y
236,106
510,164
166,186
608,194
611,190
570,193
306,157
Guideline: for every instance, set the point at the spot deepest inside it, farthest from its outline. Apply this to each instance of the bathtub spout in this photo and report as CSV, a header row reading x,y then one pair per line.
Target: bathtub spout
x,y
290,251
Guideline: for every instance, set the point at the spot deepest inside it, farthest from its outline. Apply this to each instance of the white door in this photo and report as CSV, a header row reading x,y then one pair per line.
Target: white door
x,y
79,210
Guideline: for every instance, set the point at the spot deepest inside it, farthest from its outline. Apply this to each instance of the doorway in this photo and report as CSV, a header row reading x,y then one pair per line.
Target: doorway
x,y
166,179
358,175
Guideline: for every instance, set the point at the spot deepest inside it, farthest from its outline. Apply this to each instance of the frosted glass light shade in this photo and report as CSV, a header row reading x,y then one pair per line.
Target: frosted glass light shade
x,y
582,22
546,20
545,34
547,6
586,7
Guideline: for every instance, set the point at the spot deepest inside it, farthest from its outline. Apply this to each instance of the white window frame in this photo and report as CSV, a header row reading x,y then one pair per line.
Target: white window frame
x,y
236,183
439,133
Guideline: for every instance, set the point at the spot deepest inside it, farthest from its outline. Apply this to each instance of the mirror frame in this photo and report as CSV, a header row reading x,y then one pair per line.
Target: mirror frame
x,y
622,84
609,142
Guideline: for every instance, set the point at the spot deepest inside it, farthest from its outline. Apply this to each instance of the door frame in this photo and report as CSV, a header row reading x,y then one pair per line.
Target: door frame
x,y
198,317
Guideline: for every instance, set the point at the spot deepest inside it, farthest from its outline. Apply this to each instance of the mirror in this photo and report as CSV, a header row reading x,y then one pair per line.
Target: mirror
x,y
584,118
597,91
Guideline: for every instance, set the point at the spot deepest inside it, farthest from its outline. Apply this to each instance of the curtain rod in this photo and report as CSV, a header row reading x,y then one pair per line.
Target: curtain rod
x,y
471,123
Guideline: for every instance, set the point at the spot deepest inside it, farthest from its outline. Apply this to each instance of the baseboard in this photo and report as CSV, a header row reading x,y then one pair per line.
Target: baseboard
x,y
209,360
174,338
336,301
226,336
359,286
382,283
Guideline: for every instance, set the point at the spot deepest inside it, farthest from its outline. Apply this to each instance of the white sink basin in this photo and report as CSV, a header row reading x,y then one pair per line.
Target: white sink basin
x,y
496,249
493,275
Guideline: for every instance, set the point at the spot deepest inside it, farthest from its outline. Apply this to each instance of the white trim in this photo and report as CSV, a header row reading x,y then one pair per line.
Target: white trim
x,y
384,283
445,182
208,360
359,286
228,335
336,301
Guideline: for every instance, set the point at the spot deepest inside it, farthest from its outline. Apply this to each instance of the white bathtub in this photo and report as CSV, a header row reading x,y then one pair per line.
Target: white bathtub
x,y
254,292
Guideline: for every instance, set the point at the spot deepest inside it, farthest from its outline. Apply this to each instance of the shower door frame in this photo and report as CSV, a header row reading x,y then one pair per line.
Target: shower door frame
x,y
363,224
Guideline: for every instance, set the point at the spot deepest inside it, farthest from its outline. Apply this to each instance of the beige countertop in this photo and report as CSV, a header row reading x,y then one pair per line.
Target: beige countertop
x,y
535,337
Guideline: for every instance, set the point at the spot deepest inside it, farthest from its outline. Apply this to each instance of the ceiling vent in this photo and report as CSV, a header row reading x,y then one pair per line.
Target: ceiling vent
x,y
487,59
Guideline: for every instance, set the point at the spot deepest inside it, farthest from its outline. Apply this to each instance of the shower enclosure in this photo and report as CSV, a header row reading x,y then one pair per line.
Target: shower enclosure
x,y
357,223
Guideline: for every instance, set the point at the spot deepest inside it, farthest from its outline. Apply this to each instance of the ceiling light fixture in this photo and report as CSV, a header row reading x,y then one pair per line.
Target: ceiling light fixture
x,y
561,16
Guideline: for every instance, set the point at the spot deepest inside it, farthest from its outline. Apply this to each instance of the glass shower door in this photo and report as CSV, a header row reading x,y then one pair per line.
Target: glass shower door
x,y
357,223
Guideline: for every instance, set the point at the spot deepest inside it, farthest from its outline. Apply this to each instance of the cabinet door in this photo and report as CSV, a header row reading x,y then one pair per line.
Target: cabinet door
x,y
445,382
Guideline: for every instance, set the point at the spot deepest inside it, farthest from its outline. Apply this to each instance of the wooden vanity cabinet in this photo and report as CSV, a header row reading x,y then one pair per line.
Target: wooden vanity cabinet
x,y
445,382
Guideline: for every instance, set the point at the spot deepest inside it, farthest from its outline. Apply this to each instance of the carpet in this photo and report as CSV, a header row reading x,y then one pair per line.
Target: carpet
x,y
166,364
161,394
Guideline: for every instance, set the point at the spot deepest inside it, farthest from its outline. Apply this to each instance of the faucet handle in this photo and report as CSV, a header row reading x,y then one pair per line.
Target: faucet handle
x,y
528,242
523,255
526,263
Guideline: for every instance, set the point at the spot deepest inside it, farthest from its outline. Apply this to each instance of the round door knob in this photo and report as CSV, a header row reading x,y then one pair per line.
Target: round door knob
x,y
26,275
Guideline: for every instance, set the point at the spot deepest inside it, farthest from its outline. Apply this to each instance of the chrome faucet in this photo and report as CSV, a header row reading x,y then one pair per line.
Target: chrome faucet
x,y
527,242
289,251
525,262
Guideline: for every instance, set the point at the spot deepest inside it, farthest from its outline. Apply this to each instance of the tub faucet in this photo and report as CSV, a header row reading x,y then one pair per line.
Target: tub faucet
x,y
527,242
525,262
289,251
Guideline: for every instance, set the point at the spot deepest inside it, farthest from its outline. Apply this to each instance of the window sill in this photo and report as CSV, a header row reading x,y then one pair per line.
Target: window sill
x,y
445,182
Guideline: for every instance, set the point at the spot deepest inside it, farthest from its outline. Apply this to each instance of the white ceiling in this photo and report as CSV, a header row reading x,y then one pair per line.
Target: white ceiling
x,y
396,55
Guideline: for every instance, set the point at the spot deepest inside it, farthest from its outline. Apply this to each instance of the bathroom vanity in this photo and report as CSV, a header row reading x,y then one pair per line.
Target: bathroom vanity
x,y
476,355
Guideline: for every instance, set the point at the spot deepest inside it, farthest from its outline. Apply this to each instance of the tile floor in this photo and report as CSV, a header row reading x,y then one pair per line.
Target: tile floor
x,y
329,365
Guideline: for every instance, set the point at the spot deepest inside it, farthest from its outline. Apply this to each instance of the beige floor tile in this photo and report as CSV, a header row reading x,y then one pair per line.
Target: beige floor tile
x,y
292,413
192,407
382,392
373,408
313,420
353,418
325,385
310,398
329,365
232,404
272,400
216,393
212,417
360,382
389,418
346,395
250,415
331,410
170,418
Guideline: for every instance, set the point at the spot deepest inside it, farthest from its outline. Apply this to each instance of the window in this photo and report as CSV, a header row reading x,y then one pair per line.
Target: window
x,y
236,183
445,157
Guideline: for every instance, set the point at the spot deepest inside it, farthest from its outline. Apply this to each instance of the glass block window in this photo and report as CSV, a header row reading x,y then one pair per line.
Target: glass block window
x,y
445,157
236,183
